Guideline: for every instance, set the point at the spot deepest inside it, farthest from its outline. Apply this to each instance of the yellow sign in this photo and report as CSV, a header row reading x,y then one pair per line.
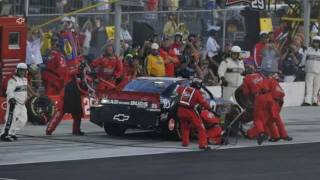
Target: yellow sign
x,y
266,25
110,31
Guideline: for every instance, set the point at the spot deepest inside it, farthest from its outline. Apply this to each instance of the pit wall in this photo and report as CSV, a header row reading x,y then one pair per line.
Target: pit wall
x,y
294,97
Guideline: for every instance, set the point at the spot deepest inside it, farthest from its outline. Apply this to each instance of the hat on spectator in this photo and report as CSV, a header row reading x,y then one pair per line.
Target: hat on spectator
x,y
65,19
178,34
213,28
263,33
236,49
154,46
316,38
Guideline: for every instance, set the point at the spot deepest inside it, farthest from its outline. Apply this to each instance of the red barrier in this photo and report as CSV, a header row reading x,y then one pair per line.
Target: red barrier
x,y
3,107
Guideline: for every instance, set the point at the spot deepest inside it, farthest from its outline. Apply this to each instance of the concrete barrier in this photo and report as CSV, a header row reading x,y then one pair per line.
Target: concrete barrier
x,y
294,93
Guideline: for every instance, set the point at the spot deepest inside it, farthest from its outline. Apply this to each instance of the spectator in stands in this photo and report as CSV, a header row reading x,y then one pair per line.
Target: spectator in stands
x,y
154,63
87,32
257,51
177,44
33,50
173,5
171,26
291,60
207,75
99,38
169,57
270,58
189,65
213,50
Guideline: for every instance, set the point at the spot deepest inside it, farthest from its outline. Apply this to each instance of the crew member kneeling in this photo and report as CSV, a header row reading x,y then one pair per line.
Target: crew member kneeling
x,y
17,94
190,97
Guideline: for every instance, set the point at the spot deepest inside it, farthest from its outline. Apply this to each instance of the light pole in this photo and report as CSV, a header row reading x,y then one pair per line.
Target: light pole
x,y
306,21
117,27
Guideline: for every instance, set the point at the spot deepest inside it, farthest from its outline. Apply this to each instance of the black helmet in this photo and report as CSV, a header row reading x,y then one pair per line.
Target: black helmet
x,y
196,83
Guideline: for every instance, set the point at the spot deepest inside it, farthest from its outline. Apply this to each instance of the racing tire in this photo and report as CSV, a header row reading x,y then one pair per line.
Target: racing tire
x,y
114,129
40,110
175,133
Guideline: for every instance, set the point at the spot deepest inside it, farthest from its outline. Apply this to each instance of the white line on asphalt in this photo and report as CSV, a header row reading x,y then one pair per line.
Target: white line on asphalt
x,y
7,179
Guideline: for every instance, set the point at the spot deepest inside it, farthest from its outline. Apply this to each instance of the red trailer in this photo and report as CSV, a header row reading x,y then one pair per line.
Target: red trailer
x,y
13,38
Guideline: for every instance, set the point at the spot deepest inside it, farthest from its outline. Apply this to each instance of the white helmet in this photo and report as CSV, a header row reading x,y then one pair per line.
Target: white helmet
x,y
154,46
316,38
236,49
22,66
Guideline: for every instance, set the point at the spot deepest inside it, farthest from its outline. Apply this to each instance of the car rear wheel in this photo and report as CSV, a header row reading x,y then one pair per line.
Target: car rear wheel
x,y
114,129
171,129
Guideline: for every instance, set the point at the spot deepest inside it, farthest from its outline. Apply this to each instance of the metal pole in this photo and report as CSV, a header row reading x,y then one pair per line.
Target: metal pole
x,y
117,27
26,8
306,22
224,30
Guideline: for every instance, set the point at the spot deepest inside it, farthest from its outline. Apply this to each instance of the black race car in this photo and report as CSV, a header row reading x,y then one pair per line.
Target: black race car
x,y
150,103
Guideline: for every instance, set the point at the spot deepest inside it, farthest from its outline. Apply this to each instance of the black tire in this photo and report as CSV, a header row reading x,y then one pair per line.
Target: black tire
x,y
114,129
175,134
40,110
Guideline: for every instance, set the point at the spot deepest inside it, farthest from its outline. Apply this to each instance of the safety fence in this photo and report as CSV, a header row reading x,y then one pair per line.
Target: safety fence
x,y
231,22
234,23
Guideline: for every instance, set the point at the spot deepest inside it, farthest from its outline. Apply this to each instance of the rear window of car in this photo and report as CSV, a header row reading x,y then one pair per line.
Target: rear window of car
x,y
153,86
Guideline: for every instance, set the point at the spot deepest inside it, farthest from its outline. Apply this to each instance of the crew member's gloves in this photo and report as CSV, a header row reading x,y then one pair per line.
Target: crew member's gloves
x,y
223,81
12,101
118,80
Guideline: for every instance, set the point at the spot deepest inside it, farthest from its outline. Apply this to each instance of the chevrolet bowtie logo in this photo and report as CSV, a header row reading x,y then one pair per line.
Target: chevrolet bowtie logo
x,y
121,117
20,20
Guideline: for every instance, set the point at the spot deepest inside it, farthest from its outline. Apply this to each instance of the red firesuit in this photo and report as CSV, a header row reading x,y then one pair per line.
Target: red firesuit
x,y
55,74
109,69
69,95
256,87
275,118
211,122
189,98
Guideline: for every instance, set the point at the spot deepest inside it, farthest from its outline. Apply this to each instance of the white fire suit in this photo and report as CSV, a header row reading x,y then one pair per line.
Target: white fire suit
x,y
231,70
312,75
17,89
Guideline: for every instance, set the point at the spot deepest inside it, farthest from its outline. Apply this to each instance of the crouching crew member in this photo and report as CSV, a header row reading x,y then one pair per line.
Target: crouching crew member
x,y
189,98
17,94
278,130
212,124
230,73
257,89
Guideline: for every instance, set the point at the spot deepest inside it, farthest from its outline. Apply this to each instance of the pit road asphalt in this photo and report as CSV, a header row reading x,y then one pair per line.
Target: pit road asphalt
x,y
145,155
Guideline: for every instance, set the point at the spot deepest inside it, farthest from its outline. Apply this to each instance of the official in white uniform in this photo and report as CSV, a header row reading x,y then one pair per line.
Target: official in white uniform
x,y
230,73
312,73
16,115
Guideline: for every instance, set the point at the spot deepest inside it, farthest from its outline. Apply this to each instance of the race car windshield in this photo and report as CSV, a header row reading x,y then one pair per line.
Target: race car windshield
x,y
141,85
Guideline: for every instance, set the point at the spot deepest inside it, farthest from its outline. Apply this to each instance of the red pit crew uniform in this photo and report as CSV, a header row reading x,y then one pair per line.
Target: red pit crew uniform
x,y
70,99
214,131
55,74
275,118
257,87
109,69
189,98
